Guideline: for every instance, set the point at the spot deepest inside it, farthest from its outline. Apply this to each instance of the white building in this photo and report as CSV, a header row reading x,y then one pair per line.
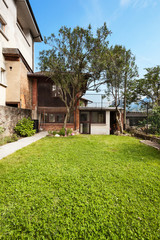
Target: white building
x,y
99,120
18,33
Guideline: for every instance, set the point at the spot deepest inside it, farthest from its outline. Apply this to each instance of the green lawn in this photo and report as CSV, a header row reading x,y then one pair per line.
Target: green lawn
x,y
81,187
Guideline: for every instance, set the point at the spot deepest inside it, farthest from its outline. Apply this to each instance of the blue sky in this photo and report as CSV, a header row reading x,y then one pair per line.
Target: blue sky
x,y
135,24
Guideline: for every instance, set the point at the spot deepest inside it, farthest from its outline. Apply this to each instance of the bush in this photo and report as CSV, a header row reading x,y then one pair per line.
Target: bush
x,y
24,127
69,131
154,120
14,137
62,132
54,133
8,139
50,132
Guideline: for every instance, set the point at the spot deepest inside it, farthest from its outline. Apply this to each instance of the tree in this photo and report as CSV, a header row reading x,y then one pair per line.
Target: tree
x,y
120,68
130,73
154,120
147,87
72,61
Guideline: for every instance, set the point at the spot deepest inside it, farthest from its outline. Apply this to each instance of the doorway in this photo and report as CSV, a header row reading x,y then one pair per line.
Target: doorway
x,y
85,122
113,125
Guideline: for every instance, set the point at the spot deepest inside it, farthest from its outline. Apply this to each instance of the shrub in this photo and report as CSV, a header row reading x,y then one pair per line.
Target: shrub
x,y
14,137
69,131
50,132
154,120
62,132
54,133
24,127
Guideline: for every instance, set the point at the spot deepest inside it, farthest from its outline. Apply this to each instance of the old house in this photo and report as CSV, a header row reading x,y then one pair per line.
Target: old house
x,y
18,33
47,107
50,110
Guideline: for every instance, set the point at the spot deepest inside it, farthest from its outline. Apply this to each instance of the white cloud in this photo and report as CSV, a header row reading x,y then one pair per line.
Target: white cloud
x,y
138,3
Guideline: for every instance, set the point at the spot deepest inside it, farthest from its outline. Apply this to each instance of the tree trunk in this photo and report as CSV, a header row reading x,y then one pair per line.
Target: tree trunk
x,y
125,100
118,119
66,118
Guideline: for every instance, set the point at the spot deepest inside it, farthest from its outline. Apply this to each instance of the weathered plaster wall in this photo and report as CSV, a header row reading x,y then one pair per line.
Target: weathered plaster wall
x,y
103,129
9,117
19,86
13,73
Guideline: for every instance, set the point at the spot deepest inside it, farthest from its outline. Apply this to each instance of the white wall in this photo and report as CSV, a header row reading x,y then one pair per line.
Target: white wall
x,y
13,36
102,128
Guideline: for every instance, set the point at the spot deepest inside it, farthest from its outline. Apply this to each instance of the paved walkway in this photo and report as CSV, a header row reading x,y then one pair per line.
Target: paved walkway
x,y
10,148
152,144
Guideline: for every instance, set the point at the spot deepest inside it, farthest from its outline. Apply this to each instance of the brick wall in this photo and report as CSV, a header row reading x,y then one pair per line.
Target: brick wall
x,y
25,89
9,117
55,126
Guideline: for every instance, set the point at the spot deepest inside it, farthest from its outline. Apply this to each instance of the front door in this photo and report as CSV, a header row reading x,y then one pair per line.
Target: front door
x,y
85,122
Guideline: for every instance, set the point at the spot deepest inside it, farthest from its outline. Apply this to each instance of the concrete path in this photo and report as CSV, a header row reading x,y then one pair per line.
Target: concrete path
x,y
10,148
152,144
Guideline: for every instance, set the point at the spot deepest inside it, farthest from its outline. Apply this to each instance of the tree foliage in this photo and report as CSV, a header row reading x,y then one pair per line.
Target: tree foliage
x,y
154,120
119,70
73,61
147,87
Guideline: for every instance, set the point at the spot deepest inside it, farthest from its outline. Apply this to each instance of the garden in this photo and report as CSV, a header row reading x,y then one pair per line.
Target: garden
x,y
81,187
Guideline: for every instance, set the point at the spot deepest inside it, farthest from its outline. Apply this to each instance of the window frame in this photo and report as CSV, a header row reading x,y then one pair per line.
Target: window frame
x,y
98,112
2,77
2,27
55,91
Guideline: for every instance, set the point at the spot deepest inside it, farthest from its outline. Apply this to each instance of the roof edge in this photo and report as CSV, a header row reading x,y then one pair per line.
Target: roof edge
x,y
34,19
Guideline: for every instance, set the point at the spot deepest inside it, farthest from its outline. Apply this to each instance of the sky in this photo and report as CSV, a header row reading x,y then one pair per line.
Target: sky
x,y
134,24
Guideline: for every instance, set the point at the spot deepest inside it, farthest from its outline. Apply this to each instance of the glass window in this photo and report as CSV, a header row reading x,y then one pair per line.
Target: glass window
x,y
52,117
60,118
98,117
55,91
2,76
2,23
84,117
1,26
46,117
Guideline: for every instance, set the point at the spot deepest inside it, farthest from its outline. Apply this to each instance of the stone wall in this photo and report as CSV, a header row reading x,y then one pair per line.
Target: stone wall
x,y
9,116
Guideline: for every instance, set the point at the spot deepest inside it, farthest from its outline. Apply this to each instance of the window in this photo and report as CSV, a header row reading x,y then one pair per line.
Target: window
x,y
55,118
22,30
1,26
2,76
52,117
2,23
85,117
60,118
55,91
98,117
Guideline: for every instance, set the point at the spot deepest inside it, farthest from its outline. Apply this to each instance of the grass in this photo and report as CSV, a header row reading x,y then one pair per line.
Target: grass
x,y
81,187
